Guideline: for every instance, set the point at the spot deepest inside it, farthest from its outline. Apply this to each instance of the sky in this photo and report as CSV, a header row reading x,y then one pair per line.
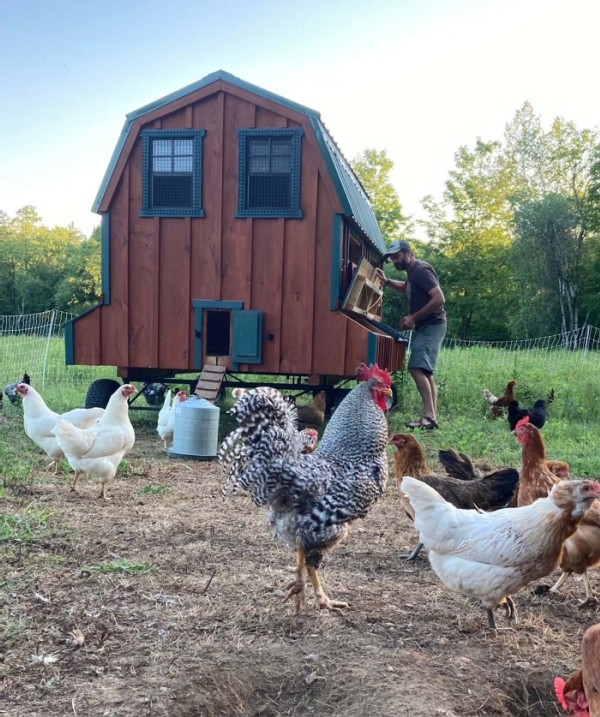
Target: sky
x,y
416,78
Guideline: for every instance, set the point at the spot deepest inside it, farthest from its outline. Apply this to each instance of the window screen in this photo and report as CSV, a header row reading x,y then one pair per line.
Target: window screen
x,y
269,172
172,173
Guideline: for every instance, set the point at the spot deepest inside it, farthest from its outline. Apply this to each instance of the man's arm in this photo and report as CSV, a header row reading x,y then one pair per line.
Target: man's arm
x,y
436,300
395,284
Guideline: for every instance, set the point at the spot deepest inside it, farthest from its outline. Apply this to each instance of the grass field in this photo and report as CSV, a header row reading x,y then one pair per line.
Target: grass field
x,y
166,601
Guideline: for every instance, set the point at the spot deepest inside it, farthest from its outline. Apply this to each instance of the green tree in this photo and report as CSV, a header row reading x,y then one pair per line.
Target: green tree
x,y
547,250
33,261
551,172
81,286
470,233
373,168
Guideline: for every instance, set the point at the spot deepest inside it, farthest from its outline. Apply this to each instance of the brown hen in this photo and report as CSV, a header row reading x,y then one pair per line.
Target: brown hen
x,y
581,552
537,480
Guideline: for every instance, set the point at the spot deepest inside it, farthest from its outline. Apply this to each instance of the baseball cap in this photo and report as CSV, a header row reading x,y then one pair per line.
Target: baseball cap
x,y
395,247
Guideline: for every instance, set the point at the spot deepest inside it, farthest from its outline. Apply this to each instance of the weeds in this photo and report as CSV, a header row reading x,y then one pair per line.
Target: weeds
x,y
24,527
121,566
152,490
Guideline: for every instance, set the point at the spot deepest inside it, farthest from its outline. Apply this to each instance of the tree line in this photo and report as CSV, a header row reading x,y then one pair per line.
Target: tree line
x,y
42,268
515,237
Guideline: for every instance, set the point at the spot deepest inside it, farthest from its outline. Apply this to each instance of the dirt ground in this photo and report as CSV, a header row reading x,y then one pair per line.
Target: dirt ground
x,y
201,628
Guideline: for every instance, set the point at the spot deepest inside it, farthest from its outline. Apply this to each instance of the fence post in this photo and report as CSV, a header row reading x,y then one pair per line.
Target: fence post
x,y
50,329
587,340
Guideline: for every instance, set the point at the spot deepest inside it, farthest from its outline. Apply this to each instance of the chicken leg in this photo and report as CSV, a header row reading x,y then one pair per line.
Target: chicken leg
x,y
414,554
103,492
322,600
509,606
296,587
74,484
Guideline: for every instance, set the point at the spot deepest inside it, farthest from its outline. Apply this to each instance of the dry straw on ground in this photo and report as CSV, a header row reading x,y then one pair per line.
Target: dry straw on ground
x,y
192,622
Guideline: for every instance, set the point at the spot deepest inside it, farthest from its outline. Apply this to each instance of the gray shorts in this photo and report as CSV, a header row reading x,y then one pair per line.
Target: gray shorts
x,y
425,347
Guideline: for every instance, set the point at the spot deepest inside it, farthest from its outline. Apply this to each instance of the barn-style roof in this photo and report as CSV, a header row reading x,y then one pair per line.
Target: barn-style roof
x,y
350,191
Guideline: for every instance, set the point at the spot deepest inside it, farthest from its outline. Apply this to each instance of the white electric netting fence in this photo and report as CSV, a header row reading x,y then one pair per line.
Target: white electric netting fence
x,y
34,344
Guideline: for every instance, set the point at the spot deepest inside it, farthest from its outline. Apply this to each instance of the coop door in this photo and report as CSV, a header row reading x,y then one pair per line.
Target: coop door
x,y
226,335
247,336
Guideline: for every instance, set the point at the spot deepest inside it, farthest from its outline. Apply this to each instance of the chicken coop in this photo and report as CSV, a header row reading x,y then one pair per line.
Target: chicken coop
x,y
235,235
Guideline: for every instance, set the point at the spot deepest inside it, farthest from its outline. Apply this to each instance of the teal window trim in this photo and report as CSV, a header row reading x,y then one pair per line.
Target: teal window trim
x,y
293,211
105,258
69,344
196,209
336,261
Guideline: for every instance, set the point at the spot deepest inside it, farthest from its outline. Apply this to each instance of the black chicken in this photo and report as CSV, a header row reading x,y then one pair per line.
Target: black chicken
x,y
154,393
538,413
11,392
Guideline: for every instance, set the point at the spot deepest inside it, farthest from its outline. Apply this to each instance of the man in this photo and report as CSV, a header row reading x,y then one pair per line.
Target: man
x,y
428,319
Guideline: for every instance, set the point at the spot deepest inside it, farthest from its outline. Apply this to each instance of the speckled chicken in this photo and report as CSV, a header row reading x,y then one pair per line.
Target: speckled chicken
x,y
312,498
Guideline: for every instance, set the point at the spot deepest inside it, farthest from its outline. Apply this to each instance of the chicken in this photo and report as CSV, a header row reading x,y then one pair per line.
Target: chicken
x,y
499,403
99,449
312,498
488,492
166,418
580,694
459,465
490,556
536,477
163,415
39,422
154,393
312,415
309,438
561,469
11,392
538,413
581,552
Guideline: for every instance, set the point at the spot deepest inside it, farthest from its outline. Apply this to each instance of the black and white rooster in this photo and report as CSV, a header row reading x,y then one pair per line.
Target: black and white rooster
x,y
312,498
11,392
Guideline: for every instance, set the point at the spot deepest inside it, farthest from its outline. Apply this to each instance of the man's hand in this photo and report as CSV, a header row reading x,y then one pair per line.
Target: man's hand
x,y
380,274
407,322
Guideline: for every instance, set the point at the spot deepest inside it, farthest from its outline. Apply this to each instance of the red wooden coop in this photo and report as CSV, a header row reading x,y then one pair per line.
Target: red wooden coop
x,y
234,234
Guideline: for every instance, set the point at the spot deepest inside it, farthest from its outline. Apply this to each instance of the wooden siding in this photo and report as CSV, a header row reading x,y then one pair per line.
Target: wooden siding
x,y
281,267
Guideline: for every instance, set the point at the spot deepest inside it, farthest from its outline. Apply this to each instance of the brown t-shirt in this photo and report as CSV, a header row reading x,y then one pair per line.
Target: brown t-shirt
x,y
419,282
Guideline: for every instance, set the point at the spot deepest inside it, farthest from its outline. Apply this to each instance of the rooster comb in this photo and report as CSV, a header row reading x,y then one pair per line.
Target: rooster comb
x,y
524,421
364,373
559,691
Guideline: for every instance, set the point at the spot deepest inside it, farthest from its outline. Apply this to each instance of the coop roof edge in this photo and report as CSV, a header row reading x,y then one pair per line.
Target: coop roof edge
x,y
350,191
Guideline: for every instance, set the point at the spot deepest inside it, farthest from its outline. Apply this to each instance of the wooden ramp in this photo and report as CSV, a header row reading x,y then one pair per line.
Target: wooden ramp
x,y
209,382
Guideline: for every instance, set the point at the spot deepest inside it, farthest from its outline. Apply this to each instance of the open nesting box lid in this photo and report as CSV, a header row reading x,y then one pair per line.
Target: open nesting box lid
x,y
363,302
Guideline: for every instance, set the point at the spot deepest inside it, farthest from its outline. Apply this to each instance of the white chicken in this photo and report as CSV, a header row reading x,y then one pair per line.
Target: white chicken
x,y
491,555
39,421
166,418
163,414
99,449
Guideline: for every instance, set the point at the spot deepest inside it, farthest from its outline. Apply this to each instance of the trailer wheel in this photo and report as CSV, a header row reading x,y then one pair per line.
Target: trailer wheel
x,y
99,392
